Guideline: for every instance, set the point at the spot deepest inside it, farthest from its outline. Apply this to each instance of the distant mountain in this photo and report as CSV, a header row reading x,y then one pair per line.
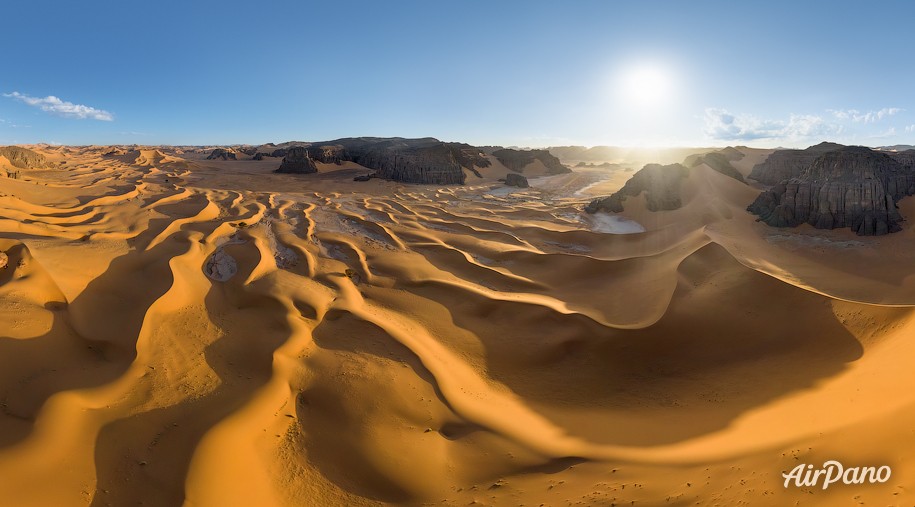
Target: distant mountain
x,y
896,147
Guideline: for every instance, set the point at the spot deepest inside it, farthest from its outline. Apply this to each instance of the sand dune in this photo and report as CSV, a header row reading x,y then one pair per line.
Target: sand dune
x,y
202,332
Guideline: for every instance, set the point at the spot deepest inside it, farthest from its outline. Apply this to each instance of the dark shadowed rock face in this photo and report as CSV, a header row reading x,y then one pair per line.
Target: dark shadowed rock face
x,y
719,162
517,160
853,187
661,184
24,158
297,161
516,180
786,164
247,150
424,160
222,153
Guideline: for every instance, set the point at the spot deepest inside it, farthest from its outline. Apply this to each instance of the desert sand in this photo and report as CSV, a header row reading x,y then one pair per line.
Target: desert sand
x,y
368,343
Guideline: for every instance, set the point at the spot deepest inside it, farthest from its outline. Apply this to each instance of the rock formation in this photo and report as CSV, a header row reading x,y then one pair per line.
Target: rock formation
x,y
223,154
297,161
424,160
786,164
661,184
853,187
24,158
4,260
516,180
517,160
719,162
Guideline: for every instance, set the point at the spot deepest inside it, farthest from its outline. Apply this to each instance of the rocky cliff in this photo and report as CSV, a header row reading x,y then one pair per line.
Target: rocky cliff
x,y
24,158
786,164
517,160
661,184
425,160
853,187
297,161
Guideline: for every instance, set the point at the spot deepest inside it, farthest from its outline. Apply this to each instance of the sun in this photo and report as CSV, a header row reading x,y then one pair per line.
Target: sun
x,y
646,85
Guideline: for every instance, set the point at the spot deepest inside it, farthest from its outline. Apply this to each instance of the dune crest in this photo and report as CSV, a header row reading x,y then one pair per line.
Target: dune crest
x,y
179,330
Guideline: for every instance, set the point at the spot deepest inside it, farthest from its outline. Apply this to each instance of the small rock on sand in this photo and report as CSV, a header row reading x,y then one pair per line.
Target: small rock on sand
x,y
4,260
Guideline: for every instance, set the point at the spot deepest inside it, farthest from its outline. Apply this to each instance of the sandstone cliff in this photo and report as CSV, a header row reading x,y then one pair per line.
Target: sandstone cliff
x,y
853,187
24,158
786,164
661,184
425,160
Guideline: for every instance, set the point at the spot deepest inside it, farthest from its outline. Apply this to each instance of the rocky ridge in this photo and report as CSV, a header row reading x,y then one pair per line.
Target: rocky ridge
x,y
24,158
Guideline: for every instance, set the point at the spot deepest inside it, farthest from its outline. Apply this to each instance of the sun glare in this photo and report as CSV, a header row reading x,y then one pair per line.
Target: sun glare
x,y
646,86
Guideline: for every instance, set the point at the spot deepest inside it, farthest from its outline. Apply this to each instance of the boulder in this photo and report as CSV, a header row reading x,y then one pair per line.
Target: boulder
x,y
516,180
4,260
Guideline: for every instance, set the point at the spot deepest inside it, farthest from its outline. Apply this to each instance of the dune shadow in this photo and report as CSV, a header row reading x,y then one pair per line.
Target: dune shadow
x,y
146,457
732,339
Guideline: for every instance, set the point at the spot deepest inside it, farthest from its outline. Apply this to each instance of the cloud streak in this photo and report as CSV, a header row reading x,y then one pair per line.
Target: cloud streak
x,y
865,116
722,125
54,105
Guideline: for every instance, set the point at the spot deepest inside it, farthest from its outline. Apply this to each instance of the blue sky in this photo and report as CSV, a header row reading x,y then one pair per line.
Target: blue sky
x,y
512,73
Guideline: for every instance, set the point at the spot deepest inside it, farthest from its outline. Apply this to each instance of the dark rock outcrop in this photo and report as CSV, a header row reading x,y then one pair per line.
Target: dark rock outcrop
x,y
853,187
424,160
247,150
222,153
297,161
516,180
719,162
364,177
261,156
517,160
661,184
786,164
328,153
279,153
24,158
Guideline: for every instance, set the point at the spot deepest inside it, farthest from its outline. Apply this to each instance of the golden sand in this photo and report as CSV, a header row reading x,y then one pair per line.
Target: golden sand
x,y
380,343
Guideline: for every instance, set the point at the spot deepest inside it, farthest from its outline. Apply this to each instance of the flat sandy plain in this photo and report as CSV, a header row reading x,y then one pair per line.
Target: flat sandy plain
x,y
382,343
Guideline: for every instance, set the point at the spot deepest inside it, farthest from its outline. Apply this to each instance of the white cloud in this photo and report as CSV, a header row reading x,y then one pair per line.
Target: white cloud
x,y
54,105
910,128
864,116
722,125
